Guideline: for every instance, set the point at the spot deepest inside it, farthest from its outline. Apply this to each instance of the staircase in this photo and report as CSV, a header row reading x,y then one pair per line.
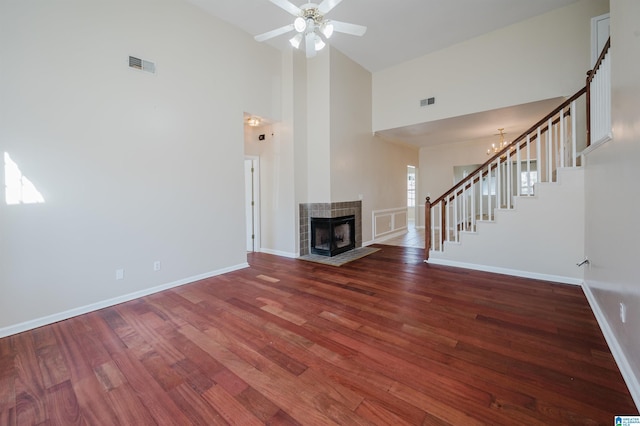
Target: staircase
x,y
522,212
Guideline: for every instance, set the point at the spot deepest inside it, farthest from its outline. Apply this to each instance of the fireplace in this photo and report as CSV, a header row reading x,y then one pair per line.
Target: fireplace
x,y
332,235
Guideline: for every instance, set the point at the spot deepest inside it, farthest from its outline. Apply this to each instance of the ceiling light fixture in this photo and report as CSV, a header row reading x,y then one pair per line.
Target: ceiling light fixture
x,y
326,29
319,44
495,148
311,25
300,24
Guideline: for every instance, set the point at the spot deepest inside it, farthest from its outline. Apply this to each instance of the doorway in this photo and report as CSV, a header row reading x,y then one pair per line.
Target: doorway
x,y
252,202
411,196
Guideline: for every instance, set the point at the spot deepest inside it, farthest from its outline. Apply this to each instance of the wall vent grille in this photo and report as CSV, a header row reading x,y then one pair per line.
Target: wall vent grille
x,y
427,101
142,65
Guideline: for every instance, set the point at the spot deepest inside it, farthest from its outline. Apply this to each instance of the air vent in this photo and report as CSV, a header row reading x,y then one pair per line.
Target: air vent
x,y
427,101
142,65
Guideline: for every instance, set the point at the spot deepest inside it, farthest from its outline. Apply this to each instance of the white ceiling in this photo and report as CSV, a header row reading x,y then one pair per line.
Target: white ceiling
x,y
400,30
515,120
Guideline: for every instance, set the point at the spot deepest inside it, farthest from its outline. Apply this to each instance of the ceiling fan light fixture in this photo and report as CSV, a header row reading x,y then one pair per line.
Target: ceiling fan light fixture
x,y
326,29
296,40
300,24
319,44
311,26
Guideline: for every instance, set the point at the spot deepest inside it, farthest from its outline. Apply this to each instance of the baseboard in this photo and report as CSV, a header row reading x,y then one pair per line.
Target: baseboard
x,y
399,233
280,253
506,271
632,381
50,319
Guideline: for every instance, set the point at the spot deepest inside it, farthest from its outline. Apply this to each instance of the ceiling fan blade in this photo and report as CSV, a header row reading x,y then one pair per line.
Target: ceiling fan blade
x,y
310,44
327,5
274,33
347,28
288,6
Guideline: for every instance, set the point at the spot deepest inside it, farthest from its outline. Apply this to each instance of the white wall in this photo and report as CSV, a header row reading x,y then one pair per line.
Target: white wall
x,y
133,167
318,147
612,207
362,164
437,163
540,58
542,237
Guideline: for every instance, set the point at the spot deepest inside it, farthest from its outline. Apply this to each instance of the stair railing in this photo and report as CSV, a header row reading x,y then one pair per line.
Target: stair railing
x,y
531,158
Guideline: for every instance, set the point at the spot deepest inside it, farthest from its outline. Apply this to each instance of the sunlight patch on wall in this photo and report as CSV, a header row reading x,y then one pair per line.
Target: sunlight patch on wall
x,y
18,189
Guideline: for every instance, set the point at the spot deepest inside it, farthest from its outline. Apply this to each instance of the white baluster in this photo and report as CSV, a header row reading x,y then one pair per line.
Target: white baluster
x,y
562,138
433,230
574,136
447,220
539,155
490,195
509,179
481,195
518,171
498,185
463,211
455,217
549,150
529,189
474,188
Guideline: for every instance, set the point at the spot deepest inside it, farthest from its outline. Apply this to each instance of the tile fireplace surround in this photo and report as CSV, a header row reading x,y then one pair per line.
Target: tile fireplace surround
x,y
344,208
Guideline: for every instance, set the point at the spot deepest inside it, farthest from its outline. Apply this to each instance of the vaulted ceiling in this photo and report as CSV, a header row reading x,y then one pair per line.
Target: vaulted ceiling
x,y
398,31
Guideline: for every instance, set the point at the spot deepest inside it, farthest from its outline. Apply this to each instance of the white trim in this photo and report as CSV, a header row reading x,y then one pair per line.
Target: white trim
x,y
390,236
506,271
279,253
616,350
393,222
60,316
596,144
257,207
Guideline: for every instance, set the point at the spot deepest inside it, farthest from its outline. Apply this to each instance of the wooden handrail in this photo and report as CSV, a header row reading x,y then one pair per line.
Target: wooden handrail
x,y
522,145
522,137
596,67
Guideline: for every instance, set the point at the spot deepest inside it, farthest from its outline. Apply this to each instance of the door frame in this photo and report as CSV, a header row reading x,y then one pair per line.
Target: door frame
x,y
254,188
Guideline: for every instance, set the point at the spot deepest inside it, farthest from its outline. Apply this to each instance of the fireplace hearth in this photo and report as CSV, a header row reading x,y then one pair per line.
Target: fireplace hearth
x,y
332,235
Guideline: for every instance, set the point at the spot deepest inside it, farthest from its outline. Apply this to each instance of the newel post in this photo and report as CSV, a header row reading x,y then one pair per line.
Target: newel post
x,y
427,228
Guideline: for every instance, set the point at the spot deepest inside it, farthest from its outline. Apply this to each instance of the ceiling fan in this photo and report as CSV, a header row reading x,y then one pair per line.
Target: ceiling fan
x,y
311,25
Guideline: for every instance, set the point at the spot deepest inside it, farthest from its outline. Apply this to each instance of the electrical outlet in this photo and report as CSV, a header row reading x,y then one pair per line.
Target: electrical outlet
x,y
156,265
623,312
119,274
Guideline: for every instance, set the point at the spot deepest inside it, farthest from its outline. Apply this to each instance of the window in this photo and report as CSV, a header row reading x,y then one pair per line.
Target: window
x,y
485,185
527,180
411,186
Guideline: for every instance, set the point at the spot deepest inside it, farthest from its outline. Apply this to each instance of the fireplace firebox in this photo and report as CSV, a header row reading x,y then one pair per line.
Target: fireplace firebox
x,y
332,235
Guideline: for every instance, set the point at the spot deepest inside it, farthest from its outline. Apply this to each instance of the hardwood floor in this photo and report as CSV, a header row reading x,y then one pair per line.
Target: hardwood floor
x,y
383,340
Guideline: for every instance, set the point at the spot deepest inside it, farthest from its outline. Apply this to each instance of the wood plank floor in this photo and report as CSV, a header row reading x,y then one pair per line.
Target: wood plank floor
x,y
384,340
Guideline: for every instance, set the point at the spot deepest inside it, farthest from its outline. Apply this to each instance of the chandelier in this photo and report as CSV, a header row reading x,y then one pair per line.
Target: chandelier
x,y
497,147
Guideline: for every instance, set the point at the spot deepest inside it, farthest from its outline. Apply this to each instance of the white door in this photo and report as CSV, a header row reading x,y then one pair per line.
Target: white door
x,y
252,206
599,35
